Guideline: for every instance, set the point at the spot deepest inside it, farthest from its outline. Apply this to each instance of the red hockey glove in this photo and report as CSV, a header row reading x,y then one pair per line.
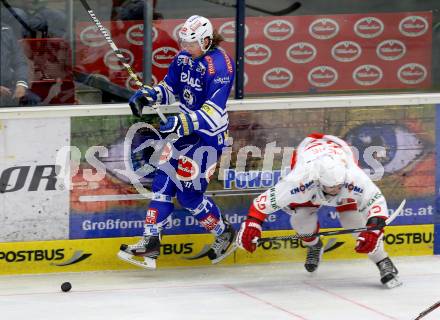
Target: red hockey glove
x,y
368,241
250,230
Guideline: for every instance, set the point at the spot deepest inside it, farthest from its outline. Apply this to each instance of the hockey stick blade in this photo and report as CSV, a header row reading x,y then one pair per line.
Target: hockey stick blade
x,y
228,252
334,232
205,250
118,53
201,254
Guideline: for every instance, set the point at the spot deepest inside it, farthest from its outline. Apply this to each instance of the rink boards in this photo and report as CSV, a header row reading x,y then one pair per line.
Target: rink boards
x,y
58,215
100,254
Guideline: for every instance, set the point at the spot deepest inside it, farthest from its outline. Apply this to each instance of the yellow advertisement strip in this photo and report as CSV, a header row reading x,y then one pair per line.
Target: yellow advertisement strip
x,y
93,254
179,251
414,240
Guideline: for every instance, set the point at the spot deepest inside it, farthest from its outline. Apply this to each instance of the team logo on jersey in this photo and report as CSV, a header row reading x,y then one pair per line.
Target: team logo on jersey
x,y
163,56
278,30
277,78
346,51
151,216
367,75
391,50
322,76
257,53
112,61
412,73
187,169
92,37
135,34
413,26
369,27
227,31
323,29
188,96
301,52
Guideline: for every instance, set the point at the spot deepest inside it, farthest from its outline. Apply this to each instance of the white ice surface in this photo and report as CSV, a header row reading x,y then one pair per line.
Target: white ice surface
x,y
339,290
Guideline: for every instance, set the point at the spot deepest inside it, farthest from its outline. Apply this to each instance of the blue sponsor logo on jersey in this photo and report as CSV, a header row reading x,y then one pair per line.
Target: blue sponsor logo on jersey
x,y
351,187
250,179
302,187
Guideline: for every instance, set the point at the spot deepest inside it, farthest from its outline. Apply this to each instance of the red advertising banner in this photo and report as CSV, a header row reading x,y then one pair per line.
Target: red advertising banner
x,y
287,54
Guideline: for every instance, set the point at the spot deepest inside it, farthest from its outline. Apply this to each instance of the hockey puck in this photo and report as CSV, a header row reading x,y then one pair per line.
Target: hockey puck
x,y
66,286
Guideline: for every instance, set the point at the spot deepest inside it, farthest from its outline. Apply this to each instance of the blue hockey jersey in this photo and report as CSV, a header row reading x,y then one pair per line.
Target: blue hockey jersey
x,y
202,86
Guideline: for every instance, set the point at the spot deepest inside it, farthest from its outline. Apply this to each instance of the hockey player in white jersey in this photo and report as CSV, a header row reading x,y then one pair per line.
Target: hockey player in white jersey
x,y
324,172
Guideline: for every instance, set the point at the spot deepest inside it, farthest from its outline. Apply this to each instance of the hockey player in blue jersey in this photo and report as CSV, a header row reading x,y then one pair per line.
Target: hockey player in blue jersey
x,y
201,77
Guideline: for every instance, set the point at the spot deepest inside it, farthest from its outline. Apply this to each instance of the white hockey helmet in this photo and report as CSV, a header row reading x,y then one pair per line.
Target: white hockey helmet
x,y
196,28
332,171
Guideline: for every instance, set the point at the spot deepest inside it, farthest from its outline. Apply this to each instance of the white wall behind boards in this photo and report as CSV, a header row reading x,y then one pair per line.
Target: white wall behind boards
x,y
31,207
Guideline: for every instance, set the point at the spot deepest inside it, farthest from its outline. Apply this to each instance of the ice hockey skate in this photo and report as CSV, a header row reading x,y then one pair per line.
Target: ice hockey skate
x,y
388,273
143,253
219,248
314,254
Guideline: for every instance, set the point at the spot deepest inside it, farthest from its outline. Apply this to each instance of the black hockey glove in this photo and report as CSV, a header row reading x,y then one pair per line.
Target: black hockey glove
x,y
144,97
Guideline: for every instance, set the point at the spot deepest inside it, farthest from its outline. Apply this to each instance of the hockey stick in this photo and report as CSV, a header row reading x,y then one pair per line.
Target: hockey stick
x,y
234,246
335,232
425,312
295,6
118,53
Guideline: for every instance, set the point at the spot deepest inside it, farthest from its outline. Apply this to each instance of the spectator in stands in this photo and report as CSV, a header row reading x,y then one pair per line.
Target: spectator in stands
x,y
17,19
44,21
132,10
35,19
13,71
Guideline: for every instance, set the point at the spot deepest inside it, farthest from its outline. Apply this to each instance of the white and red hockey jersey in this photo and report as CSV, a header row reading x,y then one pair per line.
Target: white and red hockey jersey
x,y
301,187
